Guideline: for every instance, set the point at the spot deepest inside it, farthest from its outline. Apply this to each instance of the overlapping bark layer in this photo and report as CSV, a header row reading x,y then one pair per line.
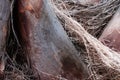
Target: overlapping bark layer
x,y
45,42
46,47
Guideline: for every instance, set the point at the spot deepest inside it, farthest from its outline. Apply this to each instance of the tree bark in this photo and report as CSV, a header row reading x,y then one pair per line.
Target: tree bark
x,y
111,34
84,2
4,17
45,42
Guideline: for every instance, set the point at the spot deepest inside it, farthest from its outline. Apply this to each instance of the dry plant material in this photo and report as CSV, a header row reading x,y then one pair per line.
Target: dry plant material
x,y
85,2
4,17
46,44
103,63
47,49
93,17
111,35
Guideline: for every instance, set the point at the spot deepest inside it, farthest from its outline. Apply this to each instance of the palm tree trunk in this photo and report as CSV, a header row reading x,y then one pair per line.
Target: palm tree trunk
x,y
46,43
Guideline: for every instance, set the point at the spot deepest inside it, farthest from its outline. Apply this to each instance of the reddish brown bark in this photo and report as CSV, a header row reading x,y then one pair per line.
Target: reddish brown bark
x,y
46,43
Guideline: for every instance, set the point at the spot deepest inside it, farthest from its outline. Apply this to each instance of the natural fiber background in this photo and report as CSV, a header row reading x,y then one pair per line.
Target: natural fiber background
x,y
84,23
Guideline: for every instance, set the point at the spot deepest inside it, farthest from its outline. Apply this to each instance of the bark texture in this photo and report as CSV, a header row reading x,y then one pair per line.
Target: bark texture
x,y
110,36
84,2
46,44
4,16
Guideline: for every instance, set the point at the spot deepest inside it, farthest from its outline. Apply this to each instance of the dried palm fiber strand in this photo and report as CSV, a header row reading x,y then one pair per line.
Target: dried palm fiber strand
x,y
84,2
111,35
93,17
45,42
6,23
46,76
103,63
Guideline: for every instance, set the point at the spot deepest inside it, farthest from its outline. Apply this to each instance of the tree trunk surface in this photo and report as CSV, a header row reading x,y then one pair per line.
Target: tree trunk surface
x,y
111,35
4,17
46,44
46,47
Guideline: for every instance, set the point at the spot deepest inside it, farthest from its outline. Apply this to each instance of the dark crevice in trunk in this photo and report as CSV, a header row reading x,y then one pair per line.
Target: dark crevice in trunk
x,y
17,57
20,56
16,50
